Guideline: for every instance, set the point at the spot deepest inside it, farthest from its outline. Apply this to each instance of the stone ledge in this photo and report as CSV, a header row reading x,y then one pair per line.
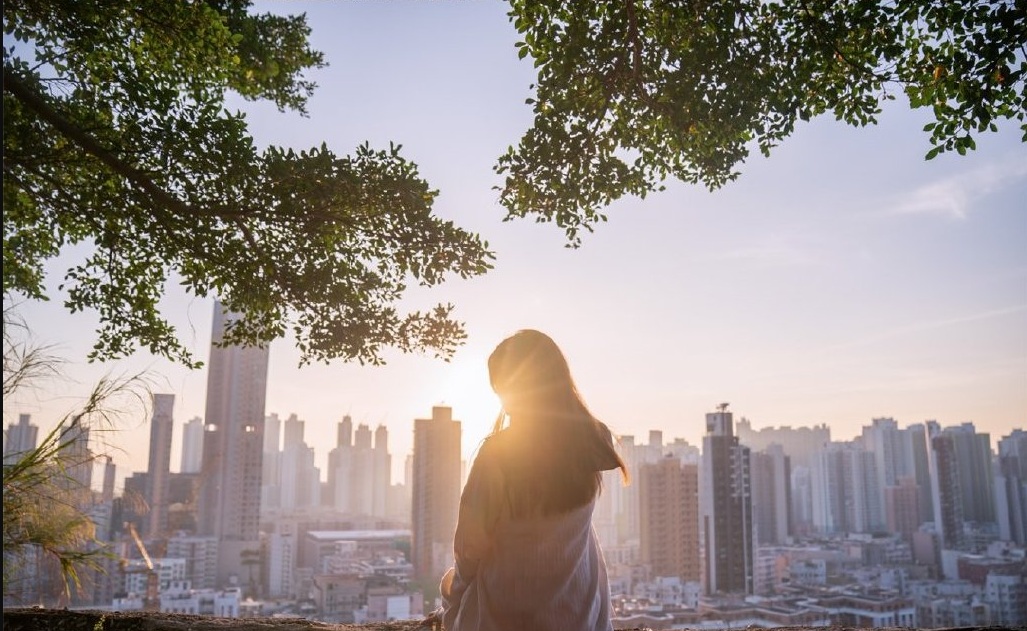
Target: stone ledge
x,y
38,619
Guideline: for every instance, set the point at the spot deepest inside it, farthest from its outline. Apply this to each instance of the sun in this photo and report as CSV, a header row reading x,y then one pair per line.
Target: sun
x,y
466,389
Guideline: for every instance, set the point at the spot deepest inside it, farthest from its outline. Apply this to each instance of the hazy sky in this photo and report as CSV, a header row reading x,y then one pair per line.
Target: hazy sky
x,y
841,279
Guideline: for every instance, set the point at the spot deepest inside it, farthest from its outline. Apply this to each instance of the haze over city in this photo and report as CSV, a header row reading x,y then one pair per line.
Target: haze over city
x,y
841,279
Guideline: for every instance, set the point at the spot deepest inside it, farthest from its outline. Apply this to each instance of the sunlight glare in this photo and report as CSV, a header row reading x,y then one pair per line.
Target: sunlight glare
x,y
467,390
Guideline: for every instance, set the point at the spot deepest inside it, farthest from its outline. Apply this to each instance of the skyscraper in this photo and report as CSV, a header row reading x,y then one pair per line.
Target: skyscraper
x,y
192,446
962,483
381,467
1011,487
340,463
771,497
669,503
973,453
159,465
921,469
847,496
271,466
229,507
362,473
77,460
300,479
725,509
20,438
436,492
946,489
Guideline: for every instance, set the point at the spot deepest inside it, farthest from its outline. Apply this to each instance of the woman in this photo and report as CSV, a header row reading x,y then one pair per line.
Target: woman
x,y
526,554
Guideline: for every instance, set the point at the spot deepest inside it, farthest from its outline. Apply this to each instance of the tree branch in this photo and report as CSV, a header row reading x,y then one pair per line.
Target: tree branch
x,y
17,88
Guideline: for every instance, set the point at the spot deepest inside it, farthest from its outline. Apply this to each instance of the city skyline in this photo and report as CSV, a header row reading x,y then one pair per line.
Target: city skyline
x,y
740,516
841,279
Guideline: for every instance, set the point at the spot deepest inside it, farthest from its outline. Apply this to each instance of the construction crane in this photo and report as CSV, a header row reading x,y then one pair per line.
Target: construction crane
x,y
151,600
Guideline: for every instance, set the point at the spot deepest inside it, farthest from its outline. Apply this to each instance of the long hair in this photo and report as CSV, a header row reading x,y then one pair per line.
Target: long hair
x,y
554,451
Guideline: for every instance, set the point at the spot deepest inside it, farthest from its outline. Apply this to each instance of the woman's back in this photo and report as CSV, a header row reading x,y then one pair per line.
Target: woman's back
x,y
540,572
526,554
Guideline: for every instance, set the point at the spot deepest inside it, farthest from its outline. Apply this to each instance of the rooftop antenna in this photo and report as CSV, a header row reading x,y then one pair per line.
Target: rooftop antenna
x,y
723,407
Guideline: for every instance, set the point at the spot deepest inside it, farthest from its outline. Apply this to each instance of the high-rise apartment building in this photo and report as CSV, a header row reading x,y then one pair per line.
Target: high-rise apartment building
x,y
340,464
847,496
771,495
271,466
919,445
77,460
229,506
436,492
201,558
669,507
300,480
1011,487
158,470
801,501
623,503
361,477
360,471
946,488
192,446
20,438
381,472
902,504
973,454
799,443
962,484
725,509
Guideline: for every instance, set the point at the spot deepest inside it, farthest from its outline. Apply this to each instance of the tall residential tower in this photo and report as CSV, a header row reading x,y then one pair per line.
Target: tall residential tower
x,y
436,492
158,470
725,509
229,506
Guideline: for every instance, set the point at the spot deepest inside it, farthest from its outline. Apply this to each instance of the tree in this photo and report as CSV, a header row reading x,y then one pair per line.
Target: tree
x,y
116,135
633,92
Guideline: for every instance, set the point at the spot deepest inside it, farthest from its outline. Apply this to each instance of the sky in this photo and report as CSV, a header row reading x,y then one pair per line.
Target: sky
x,y
841,279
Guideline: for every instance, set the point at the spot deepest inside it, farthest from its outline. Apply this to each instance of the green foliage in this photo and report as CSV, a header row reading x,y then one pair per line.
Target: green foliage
x,y
631,93
116,136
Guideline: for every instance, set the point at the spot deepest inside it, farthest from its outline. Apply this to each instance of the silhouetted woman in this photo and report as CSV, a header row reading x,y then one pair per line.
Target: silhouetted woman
x,y
527,557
